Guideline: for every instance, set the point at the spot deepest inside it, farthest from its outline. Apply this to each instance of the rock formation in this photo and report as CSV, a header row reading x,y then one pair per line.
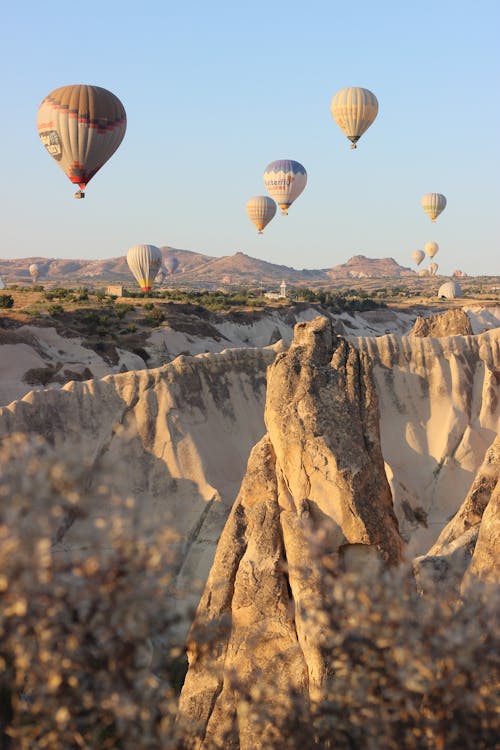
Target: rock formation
x,y
454,322
468,548
314,494
439,414
179,437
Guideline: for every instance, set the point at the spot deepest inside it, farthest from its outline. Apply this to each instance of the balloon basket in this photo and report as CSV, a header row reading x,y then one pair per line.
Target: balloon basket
x,y
79,194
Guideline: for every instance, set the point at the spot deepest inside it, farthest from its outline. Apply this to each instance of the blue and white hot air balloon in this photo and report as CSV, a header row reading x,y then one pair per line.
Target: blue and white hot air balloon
x,y
285,179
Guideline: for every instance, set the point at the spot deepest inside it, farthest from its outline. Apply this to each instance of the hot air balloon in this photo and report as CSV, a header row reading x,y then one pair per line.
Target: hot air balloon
x,y
423,272
285,179
2,285
81,127
354,109
261,209
34,272
433,204
433,267
171,265
418,256
144,261
431,248
450,290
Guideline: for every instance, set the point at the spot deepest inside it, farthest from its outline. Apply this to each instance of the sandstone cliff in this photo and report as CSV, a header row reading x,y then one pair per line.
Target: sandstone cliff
x,y
315,482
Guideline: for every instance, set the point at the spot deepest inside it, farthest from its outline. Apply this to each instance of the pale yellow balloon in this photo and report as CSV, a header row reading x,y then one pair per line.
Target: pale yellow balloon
x,y
261,209
354,109
433,267
431,248
418,256
34,272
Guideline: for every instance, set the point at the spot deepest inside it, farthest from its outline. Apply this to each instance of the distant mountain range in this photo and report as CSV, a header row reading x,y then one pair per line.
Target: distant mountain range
x,y
197,269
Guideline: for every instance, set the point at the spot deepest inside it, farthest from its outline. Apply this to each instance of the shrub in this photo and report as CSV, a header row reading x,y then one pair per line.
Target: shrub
x,y
76,629
55,310
6,301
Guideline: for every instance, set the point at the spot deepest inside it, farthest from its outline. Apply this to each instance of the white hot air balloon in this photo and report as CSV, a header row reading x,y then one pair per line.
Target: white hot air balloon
x,y
285,179
433,267
431,249
433,204
261,209
418,256
354,109
34,272
144,261
2,285
450,290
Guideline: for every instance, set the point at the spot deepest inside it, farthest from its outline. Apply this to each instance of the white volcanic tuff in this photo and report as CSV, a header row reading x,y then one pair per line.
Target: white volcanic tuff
x,y
188,429
483,318
40,347
468,548
165,343
439,412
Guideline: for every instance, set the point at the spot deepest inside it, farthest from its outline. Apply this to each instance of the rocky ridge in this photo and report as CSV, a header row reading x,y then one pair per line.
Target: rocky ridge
x,y
315,499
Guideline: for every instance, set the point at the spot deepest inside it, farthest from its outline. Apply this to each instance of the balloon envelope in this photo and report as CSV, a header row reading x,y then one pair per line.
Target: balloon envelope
x,y
171,265
450,290
285,179
144,261
354,109
34,271
431,248
433,204
261,209
81,127
433,267
418,256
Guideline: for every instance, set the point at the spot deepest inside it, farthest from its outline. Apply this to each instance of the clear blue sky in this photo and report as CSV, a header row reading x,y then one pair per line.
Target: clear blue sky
x,y
214,91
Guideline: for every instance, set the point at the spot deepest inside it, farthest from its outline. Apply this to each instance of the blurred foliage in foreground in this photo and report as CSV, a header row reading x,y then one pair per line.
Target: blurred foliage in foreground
x,y
77,630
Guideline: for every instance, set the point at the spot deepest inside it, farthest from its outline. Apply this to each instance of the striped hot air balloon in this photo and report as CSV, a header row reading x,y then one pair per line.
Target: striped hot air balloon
x,y
81,127
433,204
433,267
354,109
261,209
144,261
285,179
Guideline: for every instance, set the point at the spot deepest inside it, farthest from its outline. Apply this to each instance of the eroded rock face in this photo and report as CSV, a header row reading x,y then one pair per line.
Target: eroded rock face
x,y
439,413
468,548
450,323
173,435
315,493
